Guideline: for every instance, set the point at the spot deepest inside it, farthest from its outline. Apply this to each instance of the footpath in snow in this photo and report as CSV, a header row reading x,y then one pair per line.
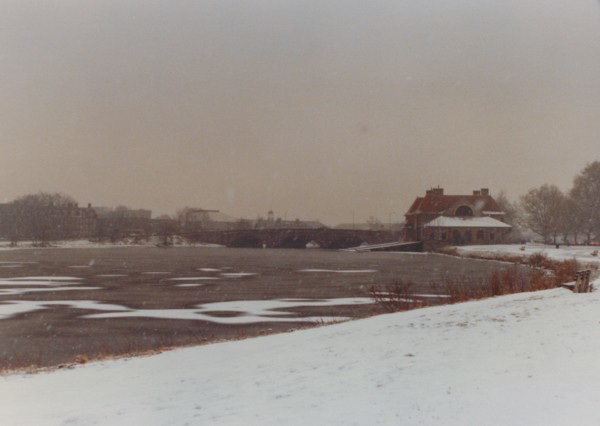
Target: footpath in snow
x,y
525,359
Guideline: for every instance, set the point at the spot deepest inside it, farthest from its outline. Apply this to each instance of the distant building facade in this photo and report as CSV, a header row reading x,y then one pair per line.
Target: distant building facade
x,y
193,220
440,219
277,223
46,222
123,221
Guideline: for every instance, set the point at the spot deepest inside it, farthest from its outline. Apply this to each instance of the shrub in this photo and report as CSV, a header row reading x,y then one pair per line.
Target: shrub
x,y
544,274
397,296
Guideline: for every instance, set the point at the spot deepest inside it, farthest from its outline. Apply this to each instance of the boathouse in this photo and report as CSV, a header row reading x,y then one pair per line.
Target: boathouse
x,y
440,219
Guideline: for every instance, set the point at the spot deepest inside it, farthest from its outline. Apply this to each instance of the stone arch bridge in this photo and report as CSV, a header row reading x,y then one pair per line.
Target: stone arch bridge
x,y
293,238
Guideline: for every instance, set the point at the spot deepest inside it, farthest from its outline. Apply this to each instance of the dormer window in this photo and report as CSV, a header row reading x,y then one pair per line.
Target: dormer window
x,y
463,211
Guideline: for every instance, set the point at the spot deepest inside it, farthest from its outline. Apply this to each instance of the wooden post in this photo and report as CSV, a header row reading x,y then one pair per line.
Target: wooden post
x,y
582,281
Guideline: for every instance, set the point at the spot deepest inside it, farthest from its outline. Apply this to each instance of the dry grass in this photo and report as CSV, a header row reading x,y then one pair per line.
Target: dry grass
x,y
397,296
132,348
544,273
508,281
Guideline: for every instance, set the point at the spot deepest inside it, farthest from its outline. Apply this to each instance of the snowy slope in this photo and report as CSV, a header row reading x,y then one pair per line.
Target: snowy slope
x,y
526,359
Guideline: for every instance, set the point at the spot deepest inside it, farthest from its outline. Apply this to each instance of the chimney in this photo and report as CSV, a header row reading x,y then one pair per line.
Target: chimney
x,y
485,191
476,192
435,191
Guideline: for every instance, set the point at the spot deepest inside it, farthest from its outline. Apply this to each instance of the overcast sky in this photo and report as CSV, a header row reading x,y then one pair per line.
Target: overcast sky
x,y
320,109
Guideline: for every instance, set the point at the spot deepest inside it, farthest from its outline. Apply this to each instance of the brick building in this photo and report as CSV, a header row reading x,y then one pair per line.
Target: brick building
x,y
122,221
440,219
23,221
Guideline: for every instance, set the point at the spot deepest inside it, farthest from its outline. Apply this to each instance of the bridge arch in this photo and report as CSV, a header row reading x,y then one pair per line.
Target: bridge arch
x,y
343,241
294,241
247,241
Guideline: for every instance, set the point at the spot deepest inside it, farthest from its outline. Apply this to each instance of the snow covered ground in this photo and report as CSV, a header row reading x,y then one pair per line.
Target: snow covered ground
x,y
527,359
583,254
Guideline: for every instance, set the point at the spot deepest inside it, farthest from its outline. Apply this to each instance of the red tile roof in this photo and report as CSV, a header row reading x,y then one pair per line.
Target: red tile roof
x,y
435,203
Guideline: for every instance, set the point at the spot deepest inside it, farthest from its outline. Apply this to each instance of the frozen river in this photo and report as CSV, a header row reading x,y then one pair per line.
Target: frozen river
x,y
59,303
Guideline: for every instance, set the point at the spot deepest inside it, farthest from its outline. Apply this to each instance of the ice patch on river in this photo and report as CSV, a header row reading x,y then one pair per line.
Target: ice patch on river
x,y
49,284
14,307
14,264
193,278
209,270
238,274
45,278
266,307
341,271
15,291
242,311
191,314
7,282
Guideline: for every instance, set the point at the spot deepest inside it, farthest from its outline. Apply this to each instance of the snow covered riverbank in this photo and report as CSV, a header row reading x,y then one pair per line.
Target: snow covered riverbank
x,y
529,358
583,254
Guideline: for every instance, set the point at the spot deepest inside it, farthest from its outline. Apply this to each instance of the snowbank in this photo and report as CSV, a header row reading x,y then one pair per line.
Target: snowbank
x,y
581,253
527,359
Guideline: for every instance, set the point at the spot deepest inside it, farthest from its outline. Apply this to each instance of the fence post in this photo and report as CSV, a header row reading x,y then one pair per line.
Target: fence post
x,y
582,281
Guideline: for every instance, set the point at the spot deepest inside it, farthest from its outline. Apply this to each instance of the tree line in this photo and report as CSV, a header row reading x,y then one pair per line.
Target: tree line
x,y
569,217
41,217
557,216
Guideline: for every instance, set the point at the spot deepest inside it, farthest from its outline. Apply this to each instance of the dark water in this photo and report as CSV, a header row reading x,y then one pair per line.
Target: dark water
x,y
142,298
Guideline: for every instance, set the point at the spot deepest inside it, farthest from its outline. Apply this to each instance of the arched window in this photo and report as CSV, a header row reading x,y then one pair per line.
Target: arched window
x,y
464,211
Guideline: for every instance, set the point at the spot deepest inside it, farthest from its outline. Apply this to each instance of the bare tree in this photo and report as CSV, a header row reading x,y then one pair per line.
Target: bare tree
x,y
568,225
543,207
40,216
512,212
586,195
45,199
578,220
167,228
